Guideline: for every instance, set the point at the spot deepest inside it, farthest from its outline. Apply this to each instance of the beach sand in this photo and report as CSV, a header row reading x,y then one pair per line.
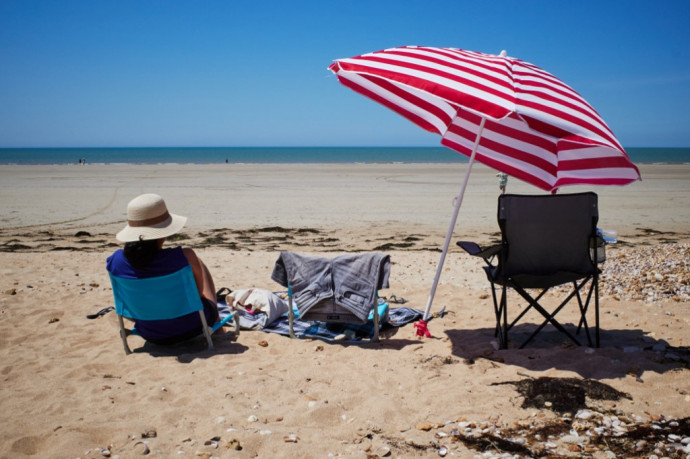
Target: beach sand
x,y
69,390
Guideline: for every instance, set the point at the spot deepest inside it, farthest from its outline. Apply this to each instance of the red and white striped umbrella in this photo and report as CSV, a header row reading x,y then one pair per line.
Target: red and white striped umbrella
x,y
537,128
506,113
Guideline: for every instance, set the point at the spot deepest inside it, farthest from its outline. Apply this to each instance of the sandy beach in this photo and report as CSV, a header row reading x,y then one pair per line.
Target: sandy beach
x,y
69,390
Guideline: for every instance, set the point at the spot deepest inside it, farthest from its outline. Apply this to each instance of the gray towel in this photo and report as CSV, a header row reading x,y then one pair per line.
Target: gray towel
x,y
350,281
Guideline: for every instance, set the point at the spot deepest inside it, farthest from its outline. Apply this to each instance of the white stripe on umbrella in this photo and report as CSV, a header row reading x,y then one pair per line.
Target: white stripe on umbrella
x,y
431,115
406,103
494,99
497,89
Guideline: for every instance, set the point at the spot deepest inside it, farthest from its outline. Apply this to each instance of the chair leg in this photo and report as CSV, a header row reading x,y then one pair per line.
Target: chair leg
x,y
236,319
206,329
505,317
500,331
497,310
123,335
502,316
596,308
583,312
584,308
291,317
375,337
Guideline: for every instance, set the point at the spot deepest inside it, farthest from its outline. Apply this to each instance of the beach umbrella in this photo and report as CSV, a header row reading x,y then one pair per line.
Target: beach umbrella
x,y
506,113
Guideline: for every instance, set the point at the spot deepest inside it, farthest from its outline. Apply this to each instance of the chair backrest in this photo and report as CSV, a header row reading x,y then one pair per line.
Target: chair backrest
x,y
157,298
547,234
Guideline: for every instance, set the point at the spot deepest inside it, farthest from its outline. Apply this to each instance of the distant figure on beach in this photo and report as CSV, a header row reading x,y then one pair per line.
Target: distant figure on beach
x,y
502,181
226,160
148,225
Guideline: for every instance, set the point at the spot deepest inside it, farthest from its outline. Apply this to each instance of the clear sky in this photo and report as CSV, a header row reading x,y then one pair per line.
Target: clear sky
x,y
254,73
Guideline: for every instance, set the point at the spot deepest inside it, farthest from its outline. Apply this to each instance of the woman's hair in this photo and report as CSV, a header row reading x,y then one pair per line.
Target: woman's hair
x,y
141,253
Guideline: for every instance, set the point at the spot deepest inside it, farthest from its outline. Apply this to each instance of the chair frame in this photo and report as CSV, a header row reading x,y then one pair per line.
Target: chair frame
x,y
496,275
137,299
376,318
502,311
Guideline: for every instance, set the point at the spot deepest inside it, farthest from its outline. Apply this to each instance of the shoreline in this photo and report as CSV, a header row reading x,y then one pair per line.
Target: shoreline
x,y
279,155
463,160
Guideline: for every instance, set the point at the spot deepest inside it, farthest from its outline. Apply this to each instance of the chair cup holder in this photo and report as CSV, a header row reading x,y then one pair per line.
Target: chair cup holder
x,y
597,250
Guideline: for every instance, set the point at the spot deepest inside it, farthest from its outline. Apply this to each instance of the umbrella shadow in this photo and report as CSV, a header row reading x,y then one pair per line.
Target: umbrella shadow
x,y
629,352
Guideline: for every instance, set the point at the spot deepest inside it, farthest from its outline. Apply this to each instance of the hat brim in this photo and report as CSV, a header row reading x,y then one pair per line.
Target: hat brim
x,y
166,228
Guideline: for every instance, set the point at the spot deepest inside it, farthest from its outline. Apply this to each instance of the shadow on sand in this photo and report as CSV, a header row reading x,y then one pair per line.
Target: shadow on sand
x,y
622,352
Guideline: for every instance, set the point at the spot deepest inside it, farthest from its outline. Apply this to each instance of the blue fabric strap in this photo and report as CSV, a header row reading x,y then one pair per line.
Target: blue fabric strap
x,y
157,298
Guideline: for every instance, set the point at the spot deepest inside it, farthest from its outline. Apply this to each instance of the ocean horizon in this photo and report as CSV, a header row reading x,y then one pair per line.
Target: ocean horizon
x,y
215,155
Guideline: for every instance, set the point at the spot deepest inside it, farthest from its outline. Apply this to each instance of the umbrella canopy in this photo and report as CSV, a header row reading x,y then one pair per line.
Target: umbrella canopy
x,y
506,113
536,129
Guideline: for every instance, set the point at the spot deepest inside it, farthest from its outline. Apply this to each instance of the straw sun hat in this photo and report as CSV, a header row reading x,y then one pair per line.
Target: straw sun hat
x,y
148,218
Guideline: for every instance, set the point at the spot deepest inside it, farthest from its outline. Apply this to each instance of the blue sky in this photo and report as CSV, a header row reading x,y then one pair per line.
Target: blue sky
x,y
253,73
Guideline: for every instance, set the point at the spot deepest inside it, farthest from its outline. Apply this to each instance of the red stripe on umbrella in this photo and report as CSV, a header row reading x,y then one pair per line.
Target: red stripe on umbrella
x,y
406,76
419,121
421,104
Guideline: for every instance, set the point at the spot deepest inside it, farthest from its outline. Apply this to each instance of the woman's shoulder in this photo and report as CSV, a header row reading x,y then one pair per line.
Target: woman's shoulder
x,y
172,254
117,253
116,257
187,251
118,265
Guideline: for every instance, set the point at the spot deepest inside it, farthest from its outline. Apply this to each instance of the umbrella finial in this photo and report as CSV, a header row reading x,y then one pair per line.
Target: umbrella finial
x,y
504,53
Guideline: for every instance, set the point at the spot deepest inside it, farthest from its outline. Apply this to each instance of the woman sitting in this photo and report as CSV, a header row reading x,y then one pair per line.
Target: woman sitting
x,y
148,225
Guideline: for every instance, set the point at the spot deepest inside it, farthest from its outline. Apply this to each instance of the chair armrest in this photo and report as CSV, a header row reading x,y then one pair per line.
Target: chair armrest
x,y
470,247
232,316
473,249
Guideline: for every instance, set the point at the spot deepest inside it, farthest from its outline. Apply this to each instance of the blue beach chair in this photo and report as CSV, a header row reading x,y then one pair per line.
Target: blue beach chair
x,y
161,298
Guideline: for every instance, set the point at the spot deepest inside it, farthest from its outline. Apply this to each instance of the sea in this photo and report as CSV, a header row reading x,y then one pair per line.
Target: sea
x,y
215,155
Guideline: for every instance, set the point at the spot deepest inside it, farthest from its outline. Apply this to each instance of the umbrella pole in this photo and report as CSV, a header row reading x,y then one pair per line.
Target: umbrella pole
x,y
449,234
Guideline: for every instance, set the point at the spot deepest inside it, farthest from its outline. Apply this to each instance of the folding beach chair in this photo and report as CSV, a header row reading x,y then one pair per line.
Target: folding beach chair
x,y
161,298
342,290
546,241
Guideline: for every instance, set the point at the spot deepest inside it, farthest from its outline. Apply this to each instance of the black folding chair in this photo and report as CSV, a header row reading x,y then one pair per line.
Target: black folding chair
x,y
546,241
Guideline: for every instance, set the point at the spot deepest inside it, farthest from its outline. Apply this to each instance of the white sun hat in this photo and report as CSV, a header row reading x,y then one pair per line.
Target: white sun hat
x,y
148,218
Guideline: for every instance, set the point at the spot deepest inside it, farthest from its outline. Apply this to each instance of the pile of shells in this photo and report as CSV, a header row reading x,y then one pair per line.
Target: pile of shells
x,y
647,273
586,432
